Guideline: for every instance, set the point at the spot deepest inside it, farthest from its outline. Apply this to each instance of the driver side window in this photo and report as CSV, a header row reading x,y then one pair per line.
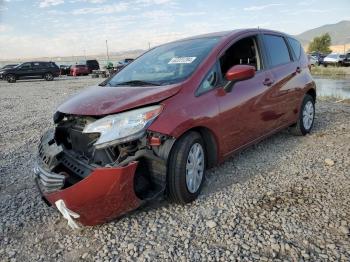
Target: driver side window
x,y
242,52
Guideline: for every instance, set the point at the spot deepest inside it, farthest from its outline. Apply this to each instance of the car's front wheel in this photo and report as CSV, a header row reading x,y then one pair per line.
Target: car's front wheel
x,y
306,117
186,168
48,76
11,78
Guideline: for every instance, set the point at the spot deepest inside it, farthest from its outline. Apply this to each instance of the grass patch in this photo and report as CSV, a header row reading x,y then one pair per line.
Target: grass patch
x,y
328,71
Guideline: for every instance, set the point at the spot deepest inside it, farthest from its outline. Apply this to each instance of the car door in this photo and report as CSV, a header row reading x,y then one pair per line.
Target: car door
x,y
38,69
244,110
25,70
283,72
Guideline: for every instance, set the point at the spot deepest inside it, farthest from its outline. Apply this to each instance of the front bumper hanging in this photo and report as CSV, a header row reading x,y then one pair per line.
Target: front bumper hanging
x,y
105,194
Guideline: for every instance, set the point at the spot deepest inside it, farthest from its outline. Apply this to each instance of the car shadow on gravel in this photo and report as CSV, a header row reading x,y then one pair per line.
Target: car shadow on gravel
x,y
258,159
238,169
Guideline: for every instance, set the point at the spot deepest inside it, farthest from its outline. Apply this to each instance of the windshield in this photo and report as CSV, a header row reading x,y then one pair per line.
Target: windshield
x,y
167,64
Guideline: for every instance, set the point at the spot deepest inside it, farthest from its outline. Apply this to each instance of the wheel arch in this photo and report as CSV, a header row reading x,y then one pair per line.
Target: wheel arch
x,y
210,143
14,74
312,93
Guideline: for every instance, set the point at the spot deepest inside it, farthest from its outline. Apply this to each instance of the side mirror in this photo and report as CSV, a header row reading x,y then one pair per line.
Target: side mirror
x,y
238,73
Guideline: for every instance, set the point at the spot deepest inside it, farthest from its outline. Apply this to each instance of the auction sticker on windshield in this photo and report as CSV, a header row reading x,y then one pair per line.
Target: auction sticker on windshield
x,y
182,60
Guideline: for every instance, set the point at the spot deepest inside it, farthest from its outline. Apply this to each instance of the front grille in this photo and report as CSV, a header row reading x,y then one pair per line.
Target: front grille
x,y
75,166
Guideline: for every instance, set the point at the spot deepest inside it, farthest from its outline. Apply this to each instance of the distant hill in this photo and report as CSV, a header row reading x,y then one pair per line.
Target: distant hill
x,y
339,32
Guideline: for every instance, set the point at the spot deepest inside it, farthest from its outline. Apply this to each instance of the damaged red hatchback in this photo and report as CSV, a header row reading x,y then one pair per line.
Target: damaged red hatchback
x,y
178,109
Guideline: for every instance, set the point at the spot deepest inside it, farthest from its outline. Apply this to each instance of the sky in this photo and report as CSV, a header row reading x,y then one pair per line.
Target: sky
x,y
38,28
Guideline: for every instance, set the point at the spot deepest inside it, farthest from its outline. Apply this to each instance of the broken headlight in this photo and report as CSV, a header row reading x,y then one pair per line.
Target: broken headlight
x,y
123,127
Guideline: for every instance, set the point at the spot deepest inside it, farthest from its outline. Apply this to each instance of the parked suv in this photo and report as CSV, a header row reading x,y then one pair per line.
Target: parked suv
x,y
333,59
31,70
180,108
92,65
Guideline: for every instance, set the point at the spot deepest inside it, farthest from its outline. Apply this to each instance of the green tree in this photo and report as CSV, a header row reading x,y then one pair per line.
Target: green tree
x,y
321,44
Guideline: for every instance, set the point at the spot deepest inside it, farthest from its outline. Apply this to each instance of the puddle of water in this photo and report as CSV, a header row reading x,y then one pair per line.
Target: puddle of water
x,y
338,88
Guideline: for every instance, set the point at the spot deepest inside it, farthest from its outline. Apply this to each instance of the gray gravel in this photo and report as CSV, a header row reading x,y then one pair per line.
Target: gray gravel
x,y
286,198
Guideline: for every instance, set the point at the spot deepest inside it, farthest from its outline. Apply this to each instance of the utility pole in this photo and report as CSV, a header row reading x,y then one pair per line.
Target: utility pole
x,y
107,51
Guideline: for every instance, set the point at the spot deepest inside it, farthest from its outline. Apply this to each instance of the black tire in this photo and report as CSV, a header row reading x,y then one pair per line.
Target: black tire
x,y
11,78
299,128
48,76
177,189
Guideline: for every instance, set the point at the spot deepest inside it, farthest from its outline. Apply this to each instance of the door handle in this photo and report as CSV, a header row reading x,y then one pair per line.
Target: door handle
x,y
268,82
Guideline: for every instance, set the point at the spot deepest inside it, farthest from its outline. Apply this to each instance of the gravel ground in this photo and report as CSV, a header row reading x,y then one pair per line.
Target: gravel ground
x,y
286,198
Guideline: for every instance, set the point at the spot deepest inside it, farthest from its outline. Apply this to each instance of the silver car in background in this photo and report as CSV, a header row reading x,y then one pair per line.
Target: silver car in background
x,y
333,59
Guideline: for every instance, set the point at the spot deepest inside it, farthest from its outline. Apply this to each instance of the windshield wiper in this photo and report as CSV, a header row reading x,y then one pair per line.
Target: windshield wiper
x,y
136,83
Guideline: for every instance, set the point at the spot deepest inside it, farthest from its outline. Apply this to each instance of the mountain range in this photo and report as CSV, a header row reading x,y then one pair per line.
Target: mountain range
x,y
339,32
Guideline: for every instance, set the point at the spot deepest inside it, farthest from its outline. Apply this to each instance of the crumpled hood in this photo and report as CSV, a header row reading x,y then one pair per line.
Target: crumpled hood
x,y
101,100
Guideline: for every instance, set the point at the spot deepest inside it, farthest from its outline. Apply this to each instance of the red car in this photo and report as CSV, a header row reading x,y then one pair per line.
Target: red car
x,y
79,70
156,126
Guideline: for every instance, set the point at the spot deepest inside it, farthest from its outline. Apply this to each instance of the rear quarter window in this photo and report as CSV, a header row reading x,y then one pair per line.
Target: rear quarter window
x,y
277,50
296,47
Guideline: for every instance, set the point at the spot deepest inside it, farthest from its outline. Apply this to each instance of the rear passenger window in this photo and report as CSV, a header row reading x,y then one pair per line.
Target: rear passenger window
x,y
277,50
296,47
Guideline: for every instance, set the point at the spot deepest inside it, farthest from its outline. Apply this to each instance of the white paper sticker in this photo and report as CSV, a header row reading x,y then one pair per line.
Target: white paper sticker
x,y
182,60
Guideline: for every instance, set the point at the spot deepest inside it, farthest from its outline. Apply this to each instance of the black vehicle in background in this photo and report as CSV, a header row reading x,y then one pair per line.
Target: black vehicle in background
x,y
346,61
92,65
31,70
65,69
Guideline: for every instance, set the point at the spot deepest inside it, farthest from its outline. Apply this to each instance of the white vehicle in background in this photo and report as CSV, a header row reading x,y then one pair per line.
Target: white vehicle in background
x,y
333,59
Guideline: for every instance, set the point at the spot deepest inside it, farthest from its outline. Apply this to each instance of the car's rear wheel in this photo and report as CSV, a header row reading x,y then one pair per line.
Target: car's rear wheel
x,y
186,168
11,78
306,117
48,76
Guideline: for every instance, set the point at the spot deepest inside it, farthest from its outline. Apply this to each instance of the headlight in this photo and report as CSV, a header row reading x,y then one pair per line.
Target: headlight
x,y
123,127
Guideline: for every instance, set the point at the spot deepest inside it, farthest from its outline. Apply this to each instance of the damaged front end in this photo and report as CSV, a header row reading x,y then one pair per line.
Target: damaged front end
x,y
94,175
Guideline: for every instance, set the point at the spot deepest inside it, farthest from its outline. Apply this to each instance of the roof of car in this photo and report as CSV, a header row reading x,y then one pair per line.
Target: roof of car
x,y
233,32
37,62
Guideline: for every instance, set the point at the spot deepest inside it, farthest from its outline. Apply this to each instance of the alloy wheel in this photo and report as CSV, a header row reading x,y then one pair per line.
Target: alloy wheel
x,y
195,168
308,115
